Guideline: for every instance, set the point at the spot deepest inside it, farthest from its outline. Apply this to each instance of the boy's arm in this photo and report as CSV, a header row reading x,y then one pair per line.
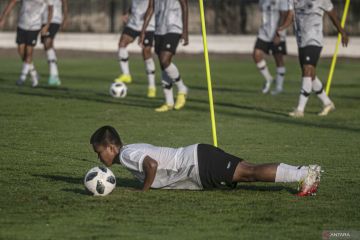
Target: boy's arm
x,y
11,4
147,18
65,14
283,17
287,22
334,19
185,19
149,168
45,29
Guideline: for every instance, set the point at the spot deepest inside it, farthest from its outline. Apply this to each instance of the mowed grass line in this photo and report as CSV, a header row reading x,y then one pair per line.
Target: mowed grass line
x,y
45,153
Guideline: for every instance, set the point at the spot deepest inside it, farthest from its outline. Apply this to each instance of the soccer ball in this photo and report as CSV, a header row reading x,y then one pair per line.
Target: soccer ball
x,y
100,181
118,90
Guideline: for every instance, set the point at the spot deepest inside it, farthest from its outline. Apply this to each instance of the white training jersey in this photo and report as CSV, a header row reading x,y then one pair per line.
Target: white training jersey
x,y
177,167
31,12
271,16
168,17
57,13
136,18
308,24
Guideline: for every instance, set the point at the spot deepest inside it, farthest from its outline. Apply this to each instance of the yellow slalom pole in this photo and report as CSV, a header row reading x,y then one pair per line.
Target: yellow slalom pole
x,y
333,63
208,75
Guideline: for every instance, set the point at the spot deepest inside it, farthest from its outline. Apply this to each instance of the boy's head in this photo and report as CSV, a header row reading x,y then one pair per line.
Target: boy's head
x,y
106,143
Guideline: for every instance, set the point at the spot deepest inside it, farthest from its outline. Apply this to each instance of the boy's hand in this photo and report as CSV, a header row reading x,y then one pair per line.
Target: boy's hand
x,y
141,39
185,38
277,39
125,18
344,39
45,30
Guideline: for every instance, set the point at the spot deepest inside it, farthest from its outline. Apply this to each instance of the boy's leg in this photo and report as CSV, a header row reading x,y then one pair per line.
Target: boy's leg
x,y
25,67
127,37
308,177
150,71
280,73
29,60
260,49
328,105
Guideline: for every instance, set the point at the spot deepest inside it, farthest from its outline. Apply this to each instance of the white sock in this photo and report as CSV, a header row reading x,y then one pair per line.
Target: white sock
x,y
288,173
264,70
124,60
51,55
174,74
317,87
280,76
24,71
305,93
150,71
33,73
167,87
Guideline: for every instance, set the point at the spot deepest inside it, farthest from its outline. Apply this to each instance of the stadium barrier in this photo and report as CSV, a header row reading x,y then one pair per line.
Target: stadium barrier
x,y
221,44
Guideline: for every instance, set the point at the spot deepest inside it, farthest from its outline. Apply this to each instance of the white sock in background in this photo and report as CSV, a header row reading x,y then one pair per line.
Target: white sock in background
x,y
24,71
280,76
174,74
124,60
167,83
317,87
264,70
51,55
288,173
305,93
150,71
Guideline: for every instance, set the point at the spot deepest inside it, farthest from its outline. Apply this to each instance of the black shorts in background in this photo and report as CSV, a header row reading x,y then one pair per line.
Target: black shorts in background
x,y
168,42
26,37
216,167
149,36
309,55
270,47
53,29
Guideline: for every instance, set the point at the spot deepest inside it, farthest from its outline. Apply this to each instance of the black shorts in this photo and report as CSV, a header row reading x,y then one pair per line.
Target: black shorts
x,y
270,47
168,42
53,29
149,36
309,55
216,167
26,37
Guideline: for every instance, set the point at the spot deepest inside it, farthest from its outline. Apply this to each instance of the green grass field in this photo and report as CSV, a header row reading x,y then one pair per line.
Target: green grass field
x,y
45,152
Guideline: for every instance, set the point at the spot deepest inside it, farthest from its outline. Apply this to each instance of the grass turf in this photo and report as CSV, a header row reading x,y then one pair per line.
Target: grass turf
x,y
45,153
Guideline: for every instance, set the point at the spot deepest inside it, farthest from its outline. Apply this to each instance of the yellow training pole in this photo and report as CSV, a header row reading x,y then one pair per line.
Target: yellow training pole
x,y
333,63
208,75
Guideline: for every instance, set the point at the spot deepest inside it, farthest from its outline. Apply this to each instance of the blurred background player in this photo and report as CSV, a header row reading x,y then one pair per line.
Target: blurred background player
x,y
268,41
58,21
134,21
171,25
309,33
29,26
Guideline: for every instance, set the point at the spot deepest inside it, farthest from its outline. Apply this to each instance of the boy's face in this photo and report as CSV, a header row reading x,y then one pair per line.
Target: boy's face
x,y
106,154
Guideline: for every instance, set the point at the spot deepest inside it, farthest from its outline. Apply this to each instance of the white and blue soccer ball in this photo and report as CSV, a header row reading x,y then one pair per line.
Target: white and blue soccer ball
x,y
100,181
118,90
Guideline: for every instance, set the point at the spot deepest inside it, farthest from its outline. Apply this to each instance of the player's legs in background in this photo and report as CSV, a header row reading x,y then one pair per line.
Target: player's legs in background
x,y
258,56
26,52
150,71
308,177
123,55
165,58
54,79
328,105
280,73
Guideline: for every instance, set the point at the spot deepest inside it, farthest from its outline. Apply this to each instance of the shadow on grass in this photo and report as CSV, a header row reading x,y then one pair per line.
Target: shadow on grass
x,y
266,188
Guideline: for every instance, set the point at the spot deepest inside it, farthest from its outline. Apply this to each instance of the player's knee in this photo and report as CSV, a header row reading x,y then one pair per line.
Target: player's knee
x,y
308,71
164,63
250,174
147,52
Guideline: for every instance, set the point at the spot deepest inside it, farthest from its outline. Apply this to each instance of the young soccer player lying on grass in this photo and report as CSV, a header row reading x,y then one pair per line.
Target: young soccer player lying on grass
x,y
195,167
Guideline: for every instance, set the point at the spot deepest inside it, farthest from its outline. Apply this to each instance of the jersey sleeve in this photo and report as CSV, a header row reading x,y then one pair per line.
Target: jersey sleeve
x,y
132,159
326,5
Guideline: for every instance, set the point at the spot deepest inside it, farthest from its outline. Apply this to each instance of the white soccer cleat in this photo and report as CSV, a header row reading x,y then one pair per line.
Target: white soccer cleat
x,y
296,114
309,185
266,87
326,109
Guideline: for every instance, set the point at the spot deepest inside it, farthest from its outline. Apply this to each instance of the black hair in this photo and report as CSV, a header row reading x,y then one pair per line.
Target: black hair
x,y
106,135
